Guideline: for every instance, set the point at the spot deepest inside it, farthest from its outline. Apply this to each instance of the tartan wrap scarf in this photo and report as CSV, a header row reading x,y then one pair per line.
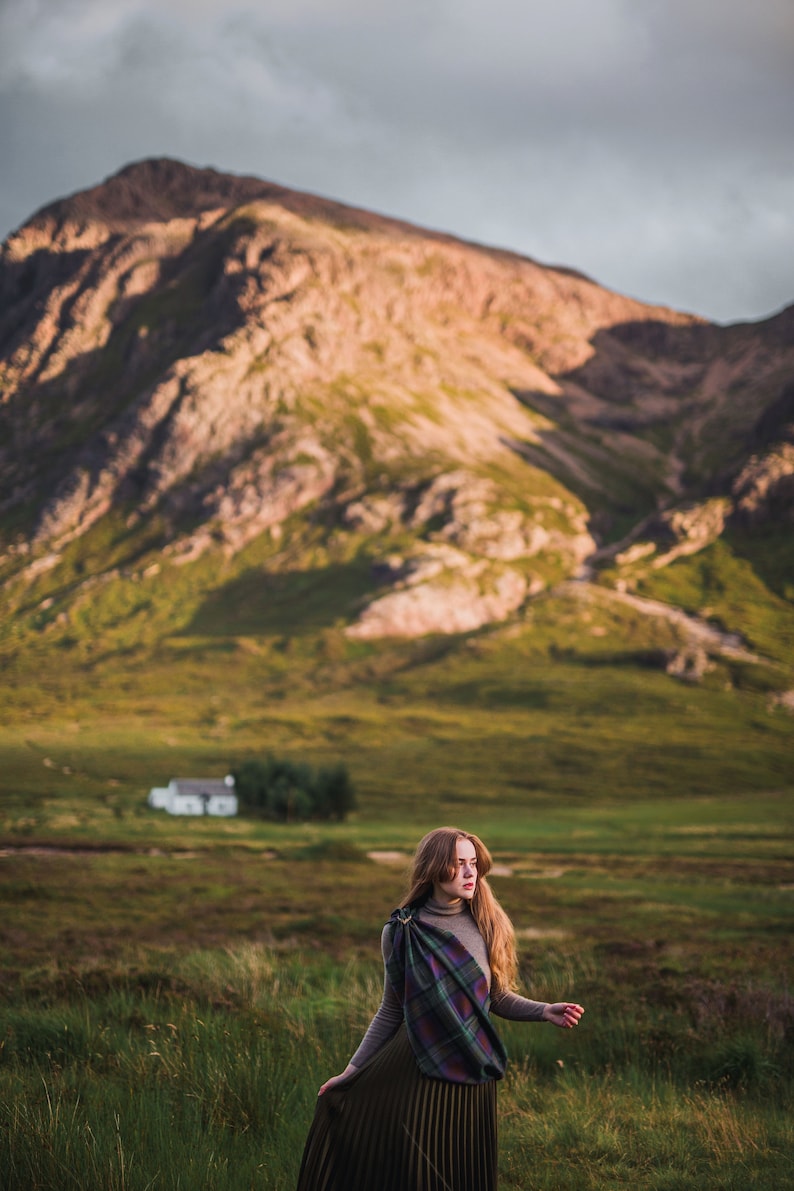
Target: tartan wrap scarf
x,y
444,993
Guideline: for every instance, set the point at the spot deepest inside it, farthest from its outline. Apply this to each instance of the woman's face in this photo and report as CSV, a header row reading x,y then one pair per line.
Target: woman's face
x,y
464,881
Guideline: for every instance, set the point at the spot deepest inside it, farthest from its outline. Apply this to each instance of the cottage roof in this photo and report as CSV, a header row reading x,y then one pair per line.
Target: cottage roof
x,y
201,786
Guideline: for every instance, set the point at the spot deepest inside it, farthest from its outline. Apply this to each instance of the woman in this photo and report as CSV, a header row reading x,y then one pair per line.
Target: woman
x,y
415,1108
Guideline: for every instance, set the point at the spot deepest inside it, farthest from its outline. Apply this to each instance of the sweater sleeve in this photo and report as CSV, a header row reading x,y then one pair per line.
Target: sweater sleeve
x,y
516,1008
387,1020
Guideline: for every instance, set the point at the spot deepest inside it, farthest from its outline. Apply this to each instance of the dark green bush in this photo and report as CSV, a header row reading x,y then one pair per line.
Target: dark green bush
x,y
288,791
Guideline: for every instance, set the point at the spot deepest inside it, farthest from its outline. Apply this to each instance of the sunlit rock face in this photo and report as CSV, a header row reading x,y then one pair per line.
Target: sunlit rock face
x,y
235,358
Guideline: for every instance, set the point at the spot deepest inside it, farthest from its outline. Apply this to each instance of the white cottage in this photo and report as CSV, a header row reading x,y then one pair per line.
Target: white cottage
x,y
159,797
194,796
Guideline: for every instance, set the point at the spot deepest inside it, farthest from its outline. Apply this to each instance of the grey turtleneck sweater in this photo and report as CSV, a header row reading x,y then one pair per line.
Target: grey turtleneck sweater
x,y
455,918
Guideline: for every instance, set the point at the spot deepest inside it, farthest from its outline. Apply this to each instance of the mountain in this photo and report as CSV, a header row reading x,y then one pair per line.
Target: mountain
x,y
207,371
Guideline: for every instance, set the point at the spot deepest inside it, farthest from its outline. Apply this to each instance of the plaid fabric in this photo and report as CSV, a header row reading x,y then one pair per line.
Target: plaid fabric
x,y
444,993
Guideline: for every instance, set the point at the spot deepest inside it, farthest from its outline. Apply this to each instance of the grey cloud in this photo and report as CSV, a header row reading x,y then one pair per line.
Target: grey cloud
x,y
648,144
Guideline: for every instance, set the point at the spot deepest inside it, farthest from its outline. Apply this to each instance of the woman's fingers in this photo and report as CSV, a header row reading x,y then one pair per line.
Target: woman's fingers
x,y
571,1014
566,1014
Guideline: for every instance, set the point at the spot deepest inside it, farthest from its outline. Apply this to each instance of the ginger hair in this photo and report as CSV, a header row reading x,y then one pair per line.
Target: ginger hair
x,y
435,860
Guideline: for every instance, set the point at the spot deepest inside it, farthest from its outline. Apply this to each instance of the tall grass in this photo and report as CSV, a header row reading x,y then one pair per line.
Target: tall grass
x,y
201,1071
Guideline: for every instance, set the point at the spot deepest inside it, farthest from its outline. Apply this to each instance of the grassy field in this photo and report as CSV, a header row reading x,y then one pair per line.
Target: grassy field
x,y
167,1018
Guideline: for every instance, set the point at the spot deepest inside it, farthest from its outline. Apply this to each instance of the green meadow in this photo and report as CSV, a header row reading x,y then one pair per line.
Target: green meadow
x,y
169,1014
174,991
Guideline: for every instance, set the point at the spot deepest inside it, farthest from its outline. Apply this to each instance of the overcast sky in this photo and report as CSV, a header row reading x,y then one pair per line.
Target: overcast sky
x,y
649,143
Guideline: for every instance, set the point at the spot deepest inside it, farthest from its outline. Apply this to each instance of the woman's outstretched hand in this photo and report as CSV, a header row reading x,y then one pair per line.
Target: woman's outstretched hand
x,y
337,1079
563,1014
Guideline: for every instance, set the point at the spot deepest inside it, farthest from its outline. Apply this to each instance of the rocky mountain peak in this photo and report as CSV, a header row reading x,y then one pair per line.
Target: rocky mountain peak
x,y
237,359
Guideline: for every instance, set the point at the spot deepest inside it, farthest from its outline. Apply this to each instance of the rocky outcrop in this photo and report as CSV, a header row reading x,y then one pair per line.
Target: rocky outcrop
x,y
275,482
783,700
664,537
764,489
472,517
690,665
457,581
442,591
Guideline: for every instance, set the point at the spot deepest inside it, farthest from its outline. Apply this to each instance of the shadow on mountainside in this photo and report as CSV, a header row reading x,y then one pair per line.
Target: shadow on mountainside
x,y
661,413
294,602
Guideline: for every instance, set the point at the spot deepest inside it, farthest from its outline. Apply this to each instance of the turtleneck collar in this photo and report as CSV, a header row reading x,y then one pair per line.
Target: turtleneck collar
x,y
445,908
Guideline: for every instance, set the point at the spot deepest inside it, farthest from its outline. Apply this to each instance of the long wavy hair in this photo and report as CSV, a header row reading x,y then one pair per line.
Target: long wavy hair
x,y
435,860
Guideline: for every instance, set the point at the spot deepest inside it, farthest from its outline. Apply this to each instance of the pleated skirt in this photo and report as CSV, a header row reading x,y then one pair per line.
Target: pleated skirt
x,y
390,1128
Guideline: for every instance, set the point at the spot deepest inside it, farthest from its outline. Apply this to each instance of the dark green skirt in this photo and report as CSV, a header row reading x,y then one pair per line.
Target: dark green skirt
x,y
390,1128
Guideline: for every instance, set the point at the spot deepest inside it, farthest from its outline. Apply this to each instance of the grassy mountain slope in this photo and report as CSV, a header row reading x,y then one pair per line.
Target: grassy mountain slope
x,y
279,473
